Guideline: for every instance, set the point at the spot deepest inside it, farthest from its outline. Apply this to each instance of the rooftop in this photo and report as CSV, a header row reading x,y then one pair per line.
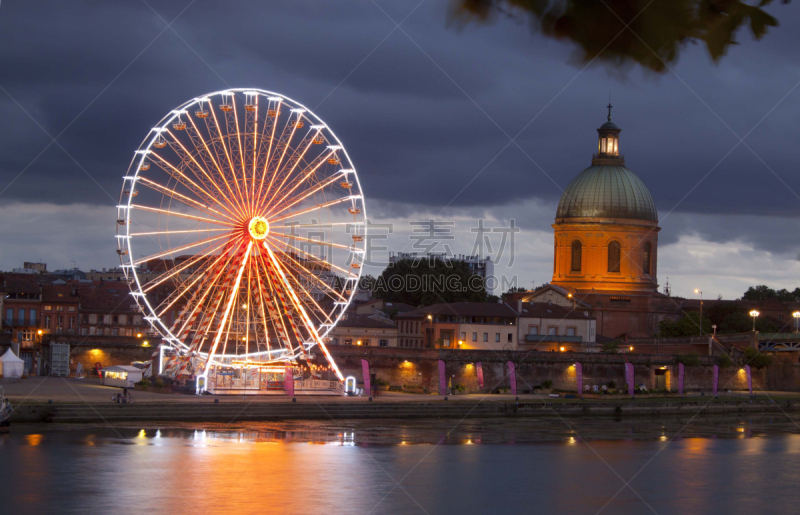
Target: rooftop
x,y
351,319
59,294
491,309
547,310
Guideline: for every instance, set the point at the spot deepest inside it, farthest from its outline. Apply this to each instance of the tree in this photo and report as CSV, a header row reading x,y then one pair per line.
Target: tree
x,y
764,292
687,325
423,282
688,360
367,283
593,27
755,359
610,347
733,317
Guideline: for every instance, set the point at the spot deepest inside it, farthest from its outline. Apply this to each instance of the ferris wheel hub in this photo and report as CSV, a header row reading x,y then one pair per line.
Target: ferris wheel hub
x,y
258,227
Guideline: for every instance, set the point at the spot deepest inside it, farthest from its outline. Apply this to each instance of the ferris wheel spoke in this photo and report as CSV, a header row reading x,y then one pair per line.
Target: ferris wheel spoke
x,y
190,262
287,133
231,298
188,183
188,156
279,208
316,225
176,295
311,257
307,273
251,152
312,168
262,305
274,125
275,286
297,157
232,168
179,249
196,302
181,215
319,242
309,210
304,316
181,231
292,276
231,197
181,198
234,136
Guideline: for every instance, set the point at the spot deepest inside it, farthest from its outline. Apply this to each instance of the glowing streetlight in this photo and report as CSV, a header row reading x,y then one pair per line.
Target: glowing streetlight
x,y
570,296
696,291
754,314
796,316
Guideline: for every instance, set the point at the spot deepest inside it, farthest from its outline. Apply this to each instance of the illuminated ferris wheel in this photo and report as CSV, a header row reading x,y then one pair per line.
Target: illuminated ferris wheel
x,y
241,228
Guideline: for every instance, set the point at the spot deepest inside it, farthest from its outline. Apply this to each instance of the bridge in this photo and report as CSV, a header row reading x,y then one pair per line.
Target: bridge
x,y
777,342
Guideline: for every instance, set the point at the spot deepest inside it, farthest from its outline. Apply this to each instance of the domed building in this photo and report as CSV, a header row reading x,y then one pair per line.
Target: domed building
x,y
606,226
605,256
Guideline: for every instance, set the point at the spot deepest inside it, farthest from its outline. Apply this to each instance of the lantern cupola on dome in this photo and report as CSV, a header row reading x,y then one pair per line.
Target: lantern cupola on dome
x,y
608,143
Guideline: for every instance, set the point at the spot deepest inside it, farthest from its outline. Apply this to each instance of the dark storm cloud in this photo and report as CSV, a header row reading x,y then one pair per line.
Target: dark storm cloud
x,y
414,134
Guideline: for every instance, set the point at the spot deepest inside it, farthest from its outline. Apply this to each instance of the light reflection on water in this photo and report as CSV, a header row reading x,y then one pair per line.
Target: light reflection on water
x,y
549,466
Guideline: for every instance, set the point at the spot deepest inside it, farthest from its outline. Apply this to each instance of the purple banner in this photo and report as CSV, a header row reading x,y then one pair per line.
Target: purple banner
x,y
479,368
749,378
716,380
579,377
365,371
512,375
288,382
680,378
629,377
442,379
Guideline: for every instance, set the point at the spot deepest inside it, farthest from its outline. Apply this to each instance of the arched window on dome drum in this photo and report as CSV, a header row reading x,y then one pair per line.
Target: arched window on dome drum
x,y
613,256
576,256
646,259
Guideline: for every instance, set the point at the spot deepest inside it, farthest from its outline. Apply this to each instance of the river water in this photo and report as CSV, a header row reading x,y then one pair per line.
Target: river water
x,y
544,465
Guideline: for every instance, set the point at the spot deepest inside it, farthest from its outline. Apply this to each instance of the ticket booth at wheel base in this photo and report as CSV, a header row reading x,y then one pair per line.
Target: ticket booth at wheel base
x,y
122,376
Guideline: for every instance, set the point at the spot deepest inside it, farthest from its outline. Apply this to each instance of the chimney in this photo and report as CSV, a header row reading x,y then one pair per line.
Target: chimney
x,y
519,306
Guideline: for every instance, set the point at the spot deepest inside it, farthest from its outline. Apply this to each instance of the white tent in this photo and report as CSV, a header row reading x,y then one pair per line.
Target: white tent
x,y
10,365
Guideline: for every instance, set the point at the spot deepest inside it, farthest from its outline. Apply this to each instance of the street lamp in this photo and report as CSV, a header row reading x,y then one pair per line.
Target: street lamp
x,y
570,296
696,291
796,316
754,314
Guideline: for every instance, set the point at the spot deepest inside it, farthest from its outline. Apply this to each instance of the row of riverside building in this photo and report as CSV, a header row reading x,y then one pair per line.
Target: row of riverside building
x,y
465,325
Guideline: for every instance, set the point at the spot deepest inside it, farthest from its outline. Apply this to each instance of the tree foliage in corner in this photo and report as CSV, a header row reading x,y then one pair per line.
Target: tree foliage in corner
x,y
598,29
423,282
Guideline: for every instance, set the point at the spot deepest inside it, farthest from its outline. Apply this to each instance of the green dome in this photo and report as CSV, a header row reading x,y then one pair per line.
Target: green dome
x,y
607,191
